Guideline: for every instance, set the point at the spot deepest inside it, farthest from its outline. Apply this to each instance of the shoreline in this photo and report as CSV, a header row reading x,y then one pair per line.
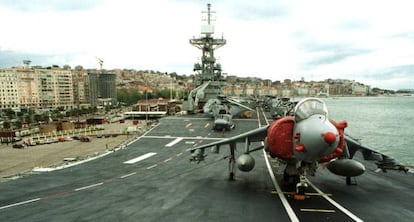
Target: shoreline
x,y
15,163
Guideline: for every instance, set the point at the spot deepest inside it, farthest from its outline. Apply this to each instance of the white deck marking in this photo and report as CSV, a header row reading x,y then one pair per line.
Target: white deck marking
x,y
143,157
19,203
179,154
172,143
282,197
291,213
152,166
90,186
128,175
337,205
143,135
167,160
184,137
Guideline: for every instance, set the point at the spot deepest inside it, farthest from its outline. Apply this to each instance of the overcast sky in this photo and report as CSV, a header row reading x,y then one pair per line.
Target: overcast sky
x,y
368,41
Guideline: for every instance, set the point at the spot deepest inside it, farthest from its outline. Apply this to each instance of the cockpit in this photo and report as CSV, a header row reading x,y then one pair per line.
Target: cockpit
x,y
308,107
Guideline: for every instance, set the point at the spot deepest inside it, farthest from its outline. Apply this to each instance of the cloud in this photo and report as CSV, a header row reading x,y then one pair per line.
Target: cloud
x,y
315,46
392,72
404,35
388,77
353,25
50,5
259,10
334,56
11,58
271,39
328,53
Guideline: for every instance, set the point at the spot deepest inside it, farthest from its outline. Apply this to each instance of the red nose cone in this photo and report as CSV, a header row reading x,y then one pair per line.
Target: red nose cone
x,y
329,137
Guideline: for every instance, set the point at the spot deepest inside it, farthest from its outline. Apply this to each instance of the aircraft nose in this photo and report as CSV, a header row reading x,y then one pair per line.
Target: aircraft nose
x,y
329,137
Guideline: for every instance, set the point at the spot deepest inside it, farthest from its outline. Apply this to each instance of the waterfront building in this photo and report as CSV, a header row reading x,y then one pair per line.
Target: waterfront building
x,y
28,88
9,93
102,89
36,88
359,89
81,95
56,88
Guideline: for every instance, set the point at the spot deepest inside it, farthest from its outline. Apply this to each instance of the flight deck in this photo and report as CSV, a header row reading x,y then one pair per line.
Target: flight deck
x,y
152,179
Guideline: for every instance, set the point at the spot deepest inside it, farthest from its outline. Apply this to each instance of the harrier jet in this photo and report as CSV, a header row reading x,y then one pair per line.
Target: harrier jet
x,y
302,141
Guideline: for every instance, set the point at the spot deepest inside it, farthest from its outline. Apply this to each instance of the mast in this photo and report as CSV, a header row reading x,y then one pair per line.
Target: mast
x,y
208,70
208,79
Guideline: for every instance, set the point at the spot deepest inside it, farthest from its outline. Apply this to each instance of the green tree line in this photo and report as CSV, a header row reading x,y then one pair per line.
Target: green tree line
x,y
131,96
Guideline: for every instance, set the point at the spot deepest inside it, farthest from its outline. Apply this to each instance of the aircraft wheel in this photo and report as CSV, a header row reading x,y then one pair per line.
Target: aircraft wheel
x,y
291,179
348,181
286,177
231,176
301,190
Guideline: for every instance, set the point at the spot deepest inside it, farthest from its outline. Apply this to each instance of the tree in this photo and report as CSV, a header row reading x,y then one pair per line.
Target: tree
x,y
10,113
129,96
41,117
164,93
6,125
18,124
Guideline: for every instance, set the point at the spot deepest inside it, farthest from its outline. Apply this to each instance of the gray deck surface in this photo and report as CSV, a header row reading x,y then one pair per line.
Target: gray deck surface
x,y
167,187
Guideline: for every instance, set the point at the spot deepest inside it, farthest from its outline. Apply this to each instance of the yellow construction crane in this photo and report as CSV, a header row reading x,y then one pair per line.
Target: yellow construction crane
x,y
100,61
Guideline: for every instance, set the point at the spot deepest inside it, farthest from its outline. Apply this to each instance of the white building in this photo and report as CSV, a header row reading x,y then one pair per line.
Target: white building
x,y
56,88
38,88
28,85
9,89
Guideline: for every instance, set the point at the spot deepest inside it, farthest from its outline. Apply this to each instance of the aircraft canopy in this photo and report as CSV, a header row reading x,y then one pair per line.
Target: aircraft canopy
x,y
308,107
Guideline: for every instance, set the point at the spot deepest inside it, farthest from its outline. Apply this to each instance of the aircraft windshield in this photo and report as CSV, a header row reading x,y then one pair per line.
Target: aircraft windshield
x,y
308,107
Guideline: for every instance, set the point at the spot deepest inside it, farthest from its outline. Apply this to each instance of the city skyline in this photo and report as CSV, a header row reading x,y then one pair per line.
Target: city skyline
x,y
370,42
55,87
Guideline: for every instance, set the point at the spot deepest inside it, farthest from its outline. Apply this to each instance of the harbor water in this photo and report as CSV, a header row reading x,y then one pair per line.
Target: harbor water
x,y
385,124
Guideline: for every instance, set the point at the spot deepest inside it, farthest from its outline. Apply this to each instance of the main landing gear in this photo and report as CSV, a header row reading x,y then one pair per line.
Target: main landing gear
x,y
232,163
296,181
302,185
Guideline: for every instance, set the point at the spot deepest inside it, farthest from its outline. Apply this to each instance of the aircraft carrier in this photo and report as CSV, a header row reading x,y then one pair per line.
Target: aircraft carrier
x,y
152,179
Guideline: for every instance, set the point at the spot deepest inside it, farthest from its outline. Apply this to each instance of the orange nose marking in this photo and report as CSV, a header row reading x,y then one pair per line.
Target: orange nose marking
x,y
329,137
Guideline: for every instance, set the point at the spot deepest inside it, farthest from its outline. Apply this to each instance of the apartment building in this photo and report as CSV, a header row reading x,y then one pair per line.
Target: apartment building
x,y
28,88
36,88
81,88
102,89
9,89
55,88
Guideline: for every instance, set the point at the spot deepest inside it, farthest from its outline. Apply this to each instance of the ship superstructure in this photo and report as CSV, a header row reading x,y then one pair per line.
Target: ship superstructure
x,y
208,79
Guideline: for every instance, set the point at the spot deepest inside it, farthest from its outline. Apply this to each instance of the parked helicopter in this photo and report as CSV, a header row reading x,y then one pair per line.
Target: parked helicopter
x,y
223,109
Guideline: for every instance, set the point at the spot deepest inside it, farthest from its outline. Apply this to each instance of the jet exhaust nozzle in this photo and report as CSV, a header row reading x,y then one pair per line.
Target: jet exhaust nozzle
x,y
245,163
346,167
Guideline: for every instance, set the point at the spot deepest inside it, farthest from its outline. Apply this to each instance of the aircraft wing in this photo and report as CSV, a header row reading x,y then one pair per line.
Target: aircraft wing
x,y
255,135
383,161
